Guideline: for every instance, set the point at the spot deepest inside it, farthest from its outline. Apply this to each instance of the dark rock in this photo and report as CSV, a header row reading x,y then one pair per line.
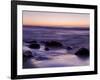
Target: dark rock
x,y
53,44
82,53
34,46
27,54
69,48
47,49
27,63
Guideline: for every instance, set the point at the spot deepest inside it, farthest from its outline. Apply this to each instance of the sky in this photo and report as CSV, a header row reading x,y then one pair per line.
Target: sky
x,y
56,19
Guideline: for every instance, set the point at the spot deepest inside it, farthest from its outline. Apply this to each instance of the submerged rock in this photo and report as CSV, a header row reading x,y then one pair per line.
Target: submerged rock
x,y
53,44
47,49
34,46
82,53
69,48
27,54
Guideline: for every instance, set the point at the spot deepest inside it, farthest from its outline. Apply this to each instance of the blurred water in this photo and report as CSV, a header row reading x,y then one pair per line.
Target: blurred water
x,y
76,38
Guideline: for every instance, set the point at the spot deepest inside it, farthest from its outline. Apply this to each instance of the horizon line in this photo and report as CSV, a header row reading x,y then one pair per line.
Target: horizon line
x,y
55,26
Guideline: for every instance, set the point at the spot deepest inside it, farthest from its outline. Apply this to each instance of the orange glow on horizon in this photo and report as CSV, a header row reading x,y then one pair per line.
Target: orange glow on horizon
x,y
55,19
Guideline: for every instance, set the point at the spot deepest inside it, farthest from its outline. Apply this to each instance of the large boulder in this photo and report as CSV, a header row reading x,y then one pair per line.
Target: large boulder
x,y
82,53
53,44
34,46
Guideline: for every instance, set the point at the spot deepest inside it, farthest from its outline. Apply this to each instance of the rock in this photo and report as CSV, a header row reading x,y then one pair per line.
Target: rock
x,y
53,44
34,46
47,49
27,63
82,53
69,48
27,54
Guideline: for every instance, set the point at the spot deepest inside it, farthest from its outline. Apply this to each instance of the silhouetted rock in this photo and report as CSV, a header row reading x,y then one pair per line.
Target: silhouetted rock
x,y
34,46
82,53
53,44
47,49
27,54
69,48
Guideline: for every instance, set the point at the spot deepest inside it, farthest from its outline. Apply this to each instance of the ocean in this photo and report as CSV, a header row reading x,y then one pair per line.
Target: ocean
x,y
54,47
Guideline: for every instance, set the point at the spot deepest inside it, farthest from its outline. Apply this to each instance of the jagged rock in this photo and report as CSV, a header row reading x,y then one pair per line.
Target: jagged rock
x,y
34,46
53,44
82,53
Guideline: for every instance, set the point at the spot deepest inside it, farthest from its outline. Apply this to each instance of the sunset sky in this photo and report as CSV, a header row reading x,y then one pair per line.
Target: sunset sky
x,y
56,19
